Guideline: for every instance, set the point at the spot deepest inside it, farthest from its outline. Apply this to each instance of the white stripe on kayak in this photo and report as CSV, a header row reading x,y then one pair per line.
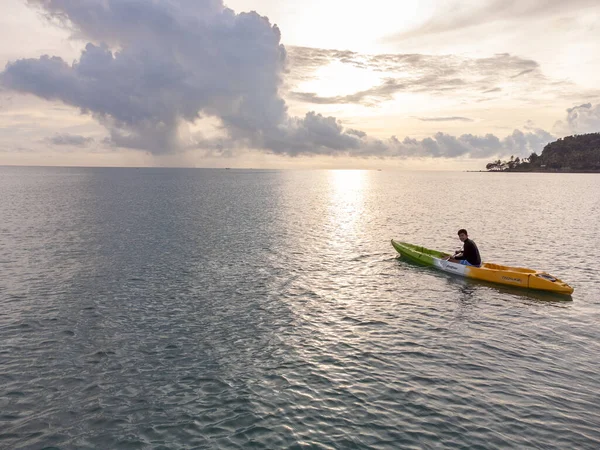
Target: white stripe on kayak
x,y
447,266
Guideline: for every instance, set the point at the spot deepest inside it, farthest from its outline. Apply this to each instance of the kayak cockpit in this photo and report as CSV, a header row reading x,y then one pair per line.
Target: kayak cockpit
x,y
493,266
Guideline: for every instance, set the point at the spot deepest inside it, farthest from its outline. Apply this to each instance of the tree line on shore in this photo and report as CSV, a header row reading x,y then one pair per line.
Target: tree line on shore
x,y
578,153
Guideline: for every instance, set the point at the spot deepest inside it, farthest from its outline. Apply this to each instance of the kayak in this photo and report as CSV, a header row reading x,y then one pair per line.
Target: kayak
x,y
494,273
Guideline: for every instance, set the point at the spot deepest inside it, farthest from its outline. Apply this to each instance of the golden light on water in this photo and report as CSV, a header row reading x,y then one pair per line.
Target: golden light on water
x,y
349,181
347,199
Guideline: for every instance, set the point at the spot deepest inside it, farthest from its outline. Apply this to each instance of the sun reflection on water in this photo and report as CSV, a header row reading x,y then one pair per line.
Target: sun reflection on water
x,y
347,198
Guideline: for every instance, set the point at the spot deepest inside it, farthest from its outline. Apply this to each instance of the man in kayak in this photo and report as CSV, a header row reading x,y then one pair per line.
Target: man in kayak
x,y
469,256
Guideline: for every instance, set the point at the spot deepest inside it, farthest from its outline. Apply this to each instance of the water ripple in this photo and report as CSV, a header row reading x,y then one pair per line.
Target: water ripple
x,y
239,309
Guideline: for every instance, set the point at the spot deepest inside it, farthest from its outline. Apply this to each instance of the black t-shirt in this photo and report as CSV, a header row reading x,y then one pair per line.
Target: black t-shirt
x,y
470,253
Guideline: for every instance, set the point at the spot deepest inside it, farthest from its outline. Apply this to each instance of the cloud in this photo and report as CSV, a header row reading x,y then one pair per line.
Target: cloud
x,y
524,143
151,68
443,145
309,58
457,16
384,91
70,139
523,72
359,133
580,120
417,73
445,119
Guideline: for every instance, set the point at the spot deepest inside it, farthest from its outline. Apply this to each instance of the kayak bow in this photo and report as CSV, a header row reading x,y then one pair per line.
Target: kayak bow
x,y
494,273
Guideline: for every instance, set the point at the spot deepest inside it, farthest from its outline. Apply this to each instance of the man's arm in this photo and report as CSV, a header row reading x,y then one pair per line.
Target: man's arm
x,y
458,255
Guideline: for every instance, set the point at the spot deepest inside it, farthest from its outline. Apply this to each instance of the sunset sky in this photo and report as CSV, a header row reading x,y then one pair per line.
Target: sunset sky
x,y
329,83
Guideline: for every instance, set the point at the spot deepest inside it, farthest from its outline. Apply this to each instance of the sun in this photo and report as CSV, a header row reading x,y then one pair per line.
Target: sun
x,y
339,79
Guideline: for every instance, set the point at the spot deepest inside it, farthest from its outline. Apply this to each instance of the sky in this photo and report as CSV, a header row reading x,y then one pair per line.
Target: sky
x,y
426,84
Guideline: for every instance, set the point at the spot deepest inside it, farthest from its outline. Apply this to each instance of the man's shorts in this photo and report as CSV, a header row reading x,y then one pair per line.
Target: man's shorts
x,y
464,262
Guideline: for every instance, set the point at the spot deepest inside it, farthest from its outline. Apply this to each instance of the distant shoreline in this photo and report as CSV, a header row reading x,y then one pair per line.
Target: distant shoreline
x,y
536,171
579,153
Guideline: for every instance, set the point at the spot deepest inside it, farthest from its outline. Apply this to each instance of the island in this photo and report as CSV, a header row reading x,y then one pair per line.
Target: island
x,y
579,153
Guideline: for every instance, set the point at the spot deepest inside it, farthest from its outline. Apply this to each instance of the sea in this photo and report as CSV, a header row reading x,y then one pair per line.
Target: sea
x,y
164,308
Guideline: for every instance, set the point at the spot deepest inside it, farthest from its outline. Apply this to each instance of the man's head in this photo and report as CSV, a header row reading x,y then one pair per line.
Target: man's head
x,y
463,235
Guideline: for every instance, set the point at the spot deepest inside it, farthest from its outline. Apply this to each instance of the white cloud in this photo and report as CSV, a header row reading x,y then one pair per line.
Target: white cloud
x,y
457,77
443,145
580,120
456,16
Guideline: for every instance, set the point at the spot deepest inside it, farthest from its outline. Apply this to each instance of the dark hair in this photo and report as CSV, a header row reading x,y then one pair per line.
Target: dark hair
x,y
462,230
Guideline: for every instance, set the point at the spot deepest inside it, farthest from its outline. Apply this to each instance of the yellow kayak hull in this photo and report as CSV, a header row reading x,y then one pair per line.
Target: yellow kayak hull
x,y
517,276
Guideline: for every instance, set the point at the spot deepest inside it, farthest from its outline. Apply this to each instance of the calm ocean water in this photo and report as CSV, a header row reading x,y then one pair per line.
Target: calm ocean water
x,y
176,308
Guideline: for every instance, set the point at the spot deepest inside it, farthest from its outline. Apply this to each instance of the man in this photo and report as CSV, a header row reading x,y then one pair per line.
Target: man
x,y
469,256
